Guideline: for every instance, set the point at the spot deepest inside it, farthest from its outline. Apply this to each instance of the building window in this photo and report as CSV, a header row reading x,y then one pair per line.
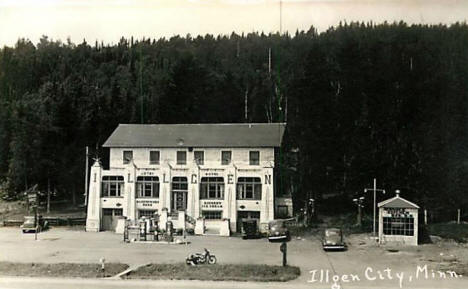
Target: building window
x,y
282,211
212,215
147,213
226,157
199,157
127,157
401,225
181,157
212,188
147,187
112,212
154,158
248,214
254,158
112,186
249,189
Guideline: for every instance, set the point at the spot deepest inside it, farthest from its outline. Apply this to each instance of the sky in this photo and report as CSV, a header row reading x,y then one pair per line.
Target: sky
x,y
109,20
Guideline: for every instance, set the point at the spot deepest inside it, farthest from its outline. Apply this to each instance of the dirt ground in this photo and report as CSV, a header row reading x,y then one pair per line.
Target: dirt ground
x,y
59,245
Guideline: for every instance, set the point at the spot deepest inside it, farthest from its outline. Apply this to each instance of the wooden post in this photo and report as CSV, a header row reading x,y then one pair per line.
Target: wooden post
x,y
284,250
458,216
425,217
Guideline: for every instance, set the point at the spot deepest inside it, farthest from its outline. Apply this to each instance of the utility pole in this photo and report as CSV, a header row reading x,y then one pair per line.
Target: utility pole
x,y
374,189
86,178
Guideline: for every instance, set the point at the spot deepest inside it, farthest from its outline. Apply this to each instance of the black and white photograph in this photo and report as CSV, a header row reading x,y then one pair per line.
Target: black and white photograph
x,y
220,144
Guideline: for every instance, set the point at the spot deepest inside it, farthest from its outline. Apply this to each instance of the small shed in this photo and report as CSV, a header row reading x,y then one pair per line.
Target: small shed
x,y
398,222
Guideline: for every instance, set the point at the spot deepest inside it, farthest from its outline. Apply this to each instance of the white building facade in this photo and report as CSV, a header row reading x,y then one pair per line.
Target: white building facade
x,y
215,172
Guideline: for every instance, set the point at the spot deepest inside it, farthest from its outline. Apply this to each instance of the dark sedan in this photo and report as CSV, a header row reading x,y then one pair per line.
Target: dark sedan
x,y
333,240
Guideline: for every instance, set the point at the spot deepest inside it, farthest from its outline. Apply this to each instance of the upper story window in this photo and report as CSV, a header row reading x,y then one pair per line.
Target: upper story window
x,y
226,157
147,187
249,189
181,157
154,158
112,186
254,158
199,157
127,157
212,188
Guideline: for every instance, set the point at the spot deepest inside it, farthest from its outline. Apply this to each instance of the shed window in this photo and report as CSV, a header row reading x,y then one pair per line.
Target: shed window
x,y
401,225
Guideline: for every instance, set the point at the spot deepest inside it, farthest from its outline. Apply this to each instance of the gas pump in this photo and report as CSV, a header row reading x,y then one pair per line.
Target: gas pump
x,y
143,225
169,231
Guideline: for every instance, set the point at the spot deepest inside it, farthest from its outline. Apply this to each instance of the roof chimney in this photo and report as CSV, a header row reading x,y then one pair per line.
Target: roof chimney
x,y
397,193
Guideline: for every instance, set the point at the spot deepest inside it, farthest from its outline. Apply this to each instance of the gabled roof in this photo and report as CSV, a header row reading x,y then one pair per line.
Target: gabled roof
x,y
197,135
397,202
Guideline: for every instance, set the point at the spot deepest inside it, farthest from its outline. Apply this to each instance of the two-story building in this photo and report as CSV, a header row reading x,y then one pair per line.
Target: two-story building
x,y
217,172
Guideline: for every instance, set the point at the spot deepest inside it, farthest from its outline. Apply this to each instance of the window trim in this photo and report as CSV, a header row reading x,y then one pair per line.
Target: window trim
x,y
155,162
251,159
222,159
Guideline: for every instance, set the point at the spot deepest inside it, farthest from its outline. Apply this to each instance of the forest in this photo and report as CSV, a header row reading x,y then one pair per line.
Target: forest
x,y
361,101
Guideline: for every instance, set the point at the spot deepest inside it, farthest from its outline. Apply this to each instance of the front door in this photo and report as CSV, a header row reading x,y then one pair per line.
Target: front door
x,y
179,194
179,201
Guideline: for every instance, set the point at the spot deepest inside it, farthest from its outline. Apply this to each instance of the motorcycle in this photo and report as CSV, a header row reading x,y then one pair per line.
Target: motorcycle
x,y
201,258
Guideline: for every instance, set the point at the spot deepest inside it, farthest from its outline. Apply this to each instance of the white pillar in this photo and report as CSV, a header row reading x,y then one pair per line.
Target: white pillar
x,y
93,219
130,189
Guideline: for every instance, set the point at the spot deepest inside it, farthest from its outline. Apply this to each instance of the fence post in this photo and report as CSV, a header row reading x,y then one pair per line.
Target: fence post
x,y
458,216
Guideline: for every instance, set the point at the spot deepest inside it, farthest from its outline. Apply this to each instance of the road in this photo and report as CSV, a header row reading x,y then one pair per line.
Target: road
x,y
60,283
374,266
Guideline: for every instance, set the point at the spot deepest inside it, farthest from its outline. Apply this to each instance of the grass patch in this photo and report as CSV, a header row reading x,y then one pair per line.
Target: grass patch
x,y
60,269
457,232
226,272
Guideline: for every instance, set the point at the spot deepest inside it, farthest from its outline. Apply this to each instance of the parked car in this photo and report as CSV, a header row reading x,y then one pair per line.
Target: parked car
x,y
277,231
30,224
333,240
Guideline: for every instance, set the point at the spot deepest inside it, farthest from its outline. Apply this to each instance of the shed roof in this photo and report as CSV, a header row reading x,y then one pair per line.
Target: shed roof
x,y
398,202
197,135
